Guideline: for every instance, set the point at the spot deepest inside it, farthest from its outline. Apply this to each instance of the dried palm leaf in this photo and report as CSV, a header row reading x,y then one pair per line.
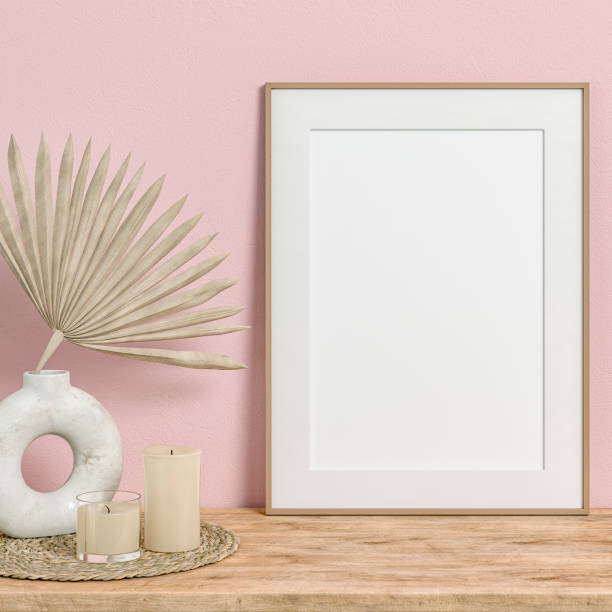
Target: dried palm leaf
x,y
89,277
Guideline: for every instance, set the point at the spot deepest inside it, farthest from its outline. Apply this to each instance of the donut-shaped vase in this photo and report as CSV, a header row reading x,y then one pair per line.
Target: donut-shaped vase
x,y
48,404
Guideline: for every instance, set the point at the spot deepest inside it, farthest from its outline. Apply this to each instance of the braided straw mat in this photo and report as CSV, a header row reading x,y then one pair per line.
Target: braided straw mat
x,y
54,558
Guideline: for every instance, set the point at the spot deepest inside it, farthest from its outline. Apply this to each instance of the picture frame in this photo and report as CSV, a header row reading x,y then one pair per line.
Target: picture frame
x,y
427,298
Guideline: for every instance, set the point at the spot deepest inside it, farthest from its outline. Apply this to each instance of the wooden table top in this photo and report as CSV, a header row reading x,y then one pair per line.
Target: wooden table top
x,y
367,563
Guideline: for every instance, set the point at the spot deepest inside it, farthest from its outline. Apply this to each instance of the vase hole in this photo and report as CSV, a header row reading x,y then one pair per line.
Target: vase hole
x,y
47,463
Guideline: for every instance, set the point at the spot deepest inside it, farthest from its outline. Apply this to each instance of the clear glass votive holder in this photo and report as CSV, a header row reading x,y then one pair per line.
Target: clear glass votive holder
x,y
108,526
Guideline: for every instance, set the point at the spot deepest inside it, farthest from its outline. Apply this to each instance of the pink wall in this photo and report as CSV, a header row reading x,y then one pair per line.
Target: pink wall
x,y
179,84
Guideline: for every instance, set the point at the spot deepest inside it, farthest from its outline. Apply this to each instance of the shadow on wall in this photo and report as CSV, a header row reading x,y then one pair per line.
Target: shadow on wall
x,y
254,473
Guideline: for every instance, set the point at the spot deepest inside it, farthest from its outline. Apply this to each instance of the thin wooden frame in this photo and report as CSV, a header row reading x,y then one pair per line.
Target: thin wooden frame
x,y
585,304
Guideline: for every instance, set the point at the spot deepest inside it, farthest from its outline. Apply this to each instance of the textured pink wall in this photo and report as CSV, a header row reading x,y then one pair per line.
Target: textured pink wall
x,y
179,84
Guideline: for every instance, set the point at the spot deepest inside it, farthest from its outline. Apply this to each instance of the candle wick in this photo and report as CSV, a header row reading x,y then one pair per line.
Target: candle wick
x,y
171,452
107,508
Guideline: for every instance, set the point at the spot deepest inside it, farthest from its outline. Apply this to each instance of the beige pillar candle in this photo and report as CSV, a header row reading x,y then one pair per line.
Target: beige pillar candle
x,y
108,530
172,498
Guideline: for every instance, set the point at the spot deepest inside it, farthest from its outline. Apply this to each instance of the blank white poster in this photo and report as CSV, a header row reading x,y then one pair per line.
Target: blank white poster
x,y
426,300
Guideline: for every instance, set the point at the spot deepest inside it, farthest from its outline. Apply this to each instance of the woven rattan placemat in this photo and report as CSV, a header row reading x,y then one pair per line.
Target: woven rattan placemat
x,y
53,558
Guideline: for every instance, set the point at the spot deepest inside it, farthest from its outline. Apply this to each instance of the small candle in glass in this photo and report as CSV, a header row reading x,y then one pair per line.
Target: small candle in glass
x,y
108,526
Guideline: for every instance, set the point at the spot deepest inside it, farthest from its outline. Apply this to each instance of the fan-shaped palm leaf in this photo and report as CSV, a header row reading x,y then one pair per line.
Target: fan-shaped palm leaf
x,y
89,277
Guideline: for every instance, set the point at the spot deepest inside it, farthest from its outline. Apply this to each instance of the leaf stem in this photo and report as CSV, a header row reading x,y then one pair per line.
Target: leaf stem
x,y
56,339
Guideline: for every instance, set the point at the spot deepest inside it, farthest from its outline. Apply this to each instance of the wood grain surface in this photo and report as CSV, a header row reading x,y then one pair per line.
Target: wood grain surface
x,y
368,563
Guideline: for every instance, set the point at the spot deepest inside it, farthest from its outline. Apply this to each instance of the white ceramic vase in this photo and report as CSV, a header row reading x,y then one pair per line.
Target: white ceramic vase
x,y
48,404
